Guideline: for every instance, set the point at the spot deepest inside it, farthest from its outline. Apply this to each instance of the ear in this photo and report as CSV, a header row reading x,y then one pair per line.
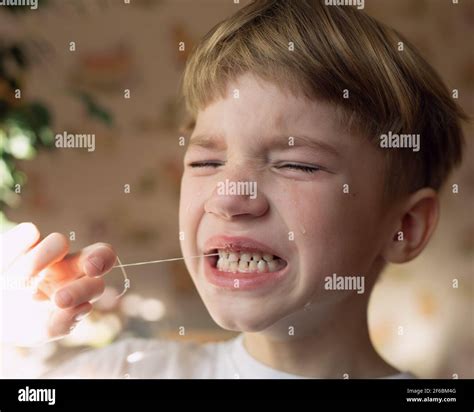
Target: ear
x,y
416,223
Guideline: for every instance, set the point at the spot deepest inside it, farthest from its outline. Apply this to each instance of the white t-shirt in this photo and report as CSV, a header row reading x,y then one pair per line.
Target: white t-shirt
x,y
161,359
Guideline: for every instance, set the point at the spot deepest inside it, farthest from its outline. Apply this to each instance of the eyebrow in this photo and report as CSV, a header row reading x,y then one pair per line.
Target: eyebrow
x,y
283,143
208,142
277,143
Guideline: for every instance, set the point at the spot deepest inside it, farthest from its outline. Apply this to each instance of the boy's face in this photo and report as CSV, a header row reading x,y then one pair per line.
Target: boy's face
x,y
301,161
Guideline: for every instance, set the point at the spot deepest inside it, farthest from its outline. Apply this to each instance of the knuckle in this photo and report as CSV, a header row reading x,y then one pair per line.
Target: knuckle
x,y
90,289
97,291
99,287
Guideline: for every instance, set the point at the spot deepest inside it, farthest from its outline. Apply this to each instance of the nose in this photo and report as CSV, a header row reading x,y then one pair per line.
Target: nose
x,y
237,196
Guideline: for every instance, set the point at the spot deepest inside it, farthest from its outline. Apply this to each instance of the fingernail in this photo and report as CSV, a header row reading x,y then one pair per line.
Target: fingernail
x,y
94,266
81,315
63,298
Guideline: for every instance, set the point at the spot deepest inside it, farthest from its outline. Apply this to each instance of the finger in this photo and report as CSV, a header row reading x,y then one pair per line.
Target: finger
x,y
62,321
94,260
50,250
17,241
79,291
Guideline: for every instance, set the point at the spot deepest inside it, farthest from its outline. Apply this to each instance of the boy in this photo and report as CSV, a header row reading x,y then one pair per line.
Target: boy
x,y
347,140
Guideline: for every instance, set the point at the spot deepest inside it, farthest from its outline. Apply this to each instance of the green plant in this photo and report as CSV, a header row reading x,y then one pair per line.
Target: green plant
x,y
25,127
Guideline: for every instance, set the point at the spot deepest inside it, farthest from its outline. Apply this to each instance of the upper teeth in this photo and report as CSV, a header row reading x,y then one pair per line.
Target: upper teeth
x,y
247,262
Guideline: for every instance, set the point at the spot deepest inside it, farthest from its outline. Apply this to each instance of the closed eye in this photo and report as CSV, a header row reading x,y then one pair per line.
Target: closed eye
x,y
204,164
303,168
293,166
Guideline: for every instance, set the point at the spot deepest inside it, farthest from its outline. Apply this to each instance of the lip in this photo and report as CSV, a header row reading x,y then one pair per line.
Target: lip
x,y
238,244
246,282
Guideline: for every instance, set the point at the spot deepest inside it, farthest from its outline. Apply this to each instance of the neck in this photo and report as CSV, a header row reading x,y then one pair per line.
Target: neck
x,y
336,345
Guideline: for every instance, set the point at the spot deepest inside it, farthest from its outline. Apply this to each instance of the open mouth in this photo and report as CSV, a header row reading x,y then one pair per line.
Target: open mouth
x,y
243,260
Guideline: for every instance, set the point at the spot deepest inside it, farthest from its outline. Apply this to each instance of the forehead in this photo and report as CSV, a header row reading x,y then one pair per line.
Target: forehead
x,y
255,107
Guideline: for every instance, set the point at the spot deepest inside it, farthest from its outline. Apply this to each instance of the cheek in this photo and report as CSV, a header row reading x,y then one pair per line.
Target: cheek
x,y
308,211
327,235
342,237
191,212
187,215
187,203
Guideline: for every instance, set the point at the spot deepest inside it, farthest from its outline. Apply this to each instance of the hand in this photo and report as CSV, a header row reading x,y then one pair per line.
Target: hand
x,y
45,291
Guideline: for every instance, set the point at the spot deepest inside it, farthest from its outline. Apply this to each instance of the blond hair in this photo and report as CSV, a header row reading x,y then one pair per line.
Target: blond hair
x,y
336,49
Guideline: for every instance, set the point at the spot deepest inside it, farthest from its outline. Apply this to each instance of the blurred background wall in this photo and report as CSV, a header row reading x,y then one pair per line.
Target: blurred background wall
x,y
421,313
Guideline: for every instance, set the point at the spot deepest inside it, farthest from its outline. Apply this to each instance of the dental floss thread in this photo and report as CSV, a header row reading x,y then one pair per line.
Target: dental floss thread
x,y
127,280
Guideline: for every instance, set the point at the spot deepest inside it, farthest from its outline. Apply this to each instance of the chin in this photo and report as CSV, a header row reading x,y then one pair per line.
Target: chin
x,y
238,319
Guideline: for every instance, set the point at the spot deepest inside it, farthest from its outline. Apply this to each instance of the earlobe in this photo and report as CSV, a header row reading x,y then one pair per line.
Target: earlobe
x,y
417,220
